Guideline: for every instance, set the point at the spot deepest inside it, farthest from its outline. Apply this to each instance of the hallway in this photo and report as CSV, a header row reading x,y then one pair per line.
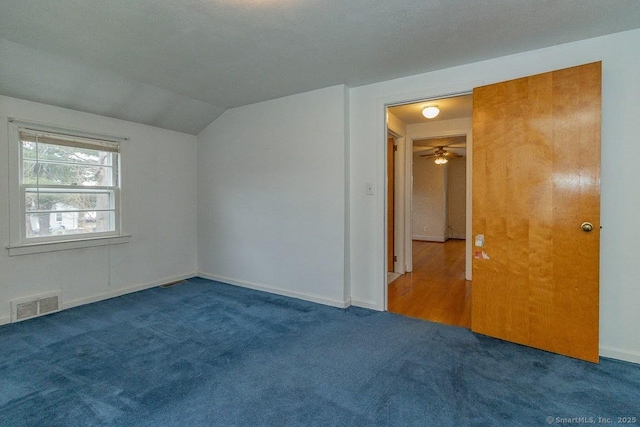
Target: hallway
x,y
436,290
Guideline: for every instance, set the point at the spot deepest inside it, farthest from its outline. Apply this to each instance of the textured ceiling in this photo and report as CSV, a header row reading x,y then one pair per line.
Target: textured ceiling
x,y
180,64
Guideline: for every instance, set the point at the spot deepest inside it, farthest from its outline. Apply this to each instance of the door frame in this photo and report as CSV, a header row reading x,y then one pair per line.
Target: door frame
x,y
383,103
399,193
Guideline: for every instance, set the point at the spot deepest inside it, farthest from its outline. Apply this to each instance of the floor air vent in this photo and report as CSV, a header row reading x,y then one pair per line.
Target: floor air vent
x,y
27,308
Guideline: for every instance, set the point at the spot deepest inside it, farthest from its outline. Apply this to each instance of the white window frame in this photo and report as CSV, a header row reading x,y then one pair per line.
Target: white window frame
x,y
19,243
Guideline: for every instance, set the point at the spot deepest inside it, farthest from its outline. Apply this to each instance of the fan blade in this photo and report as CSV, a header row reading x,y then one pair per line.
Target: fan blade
x,y
427,155
451,154
457,145
420,149
461,151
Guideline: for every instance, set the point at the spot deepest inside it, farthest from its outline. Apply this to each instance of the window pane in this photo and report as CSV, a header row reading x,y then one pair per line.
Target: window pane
x,y
66,174
46,224
29,150
61,153
58,184
71,201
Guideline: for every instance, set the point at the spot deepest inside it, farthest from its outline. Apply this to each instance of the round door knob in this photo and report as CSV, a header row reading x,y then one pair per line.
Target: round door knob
x,y
586,227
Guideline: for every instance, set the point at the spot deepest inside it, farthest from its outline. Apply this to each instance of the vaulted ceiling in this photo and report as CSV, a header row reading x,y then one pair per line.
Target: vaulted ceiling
x,y
178,64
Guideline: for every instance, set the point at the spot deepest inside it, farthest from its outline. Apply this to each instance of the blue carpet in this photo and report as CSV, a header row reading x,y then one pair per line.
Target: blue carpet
x,y
204,353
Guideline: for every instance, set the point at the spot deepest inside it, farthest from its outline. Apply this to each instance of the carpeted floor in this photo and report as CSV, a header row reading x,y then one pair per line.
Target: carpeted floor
x,y
204,353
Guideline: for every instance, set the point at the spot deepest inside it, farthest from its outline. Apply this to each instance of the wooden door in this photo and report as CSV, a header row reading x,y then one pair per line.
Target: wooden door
x,y
536,179
390,204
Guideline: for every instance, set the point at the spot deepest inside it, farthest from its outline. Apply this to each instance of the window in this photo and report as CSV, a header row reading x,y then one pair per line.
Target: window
x,y
68,187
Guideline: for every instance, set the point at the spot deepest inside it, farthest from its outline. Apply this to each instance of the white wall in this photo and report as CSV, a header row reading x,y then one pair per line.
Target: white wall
x,y
395,125
158,168
440,128
271,196
429,221
620,293
457,200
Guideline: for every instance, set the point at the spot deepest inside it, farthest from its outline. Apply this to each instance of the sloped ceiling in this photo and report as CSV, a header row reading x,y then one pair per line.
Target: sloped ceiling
x,y
178,64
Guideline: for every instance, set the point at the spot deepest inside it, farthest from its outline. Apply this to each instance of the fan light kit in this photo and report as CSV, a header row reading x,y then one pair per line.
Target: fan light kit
x,y
430,111
441,155
441,160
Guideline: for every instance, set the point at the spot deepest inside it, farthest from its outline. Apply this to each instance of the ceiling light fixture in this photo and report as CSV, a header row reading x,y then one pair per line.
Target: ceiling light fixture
x,y
430,111
441,160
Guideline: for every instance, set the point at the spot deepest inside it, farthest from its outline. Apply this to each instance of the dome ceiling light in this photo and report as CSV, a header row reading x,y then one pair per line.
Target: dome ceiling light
x,y
430,111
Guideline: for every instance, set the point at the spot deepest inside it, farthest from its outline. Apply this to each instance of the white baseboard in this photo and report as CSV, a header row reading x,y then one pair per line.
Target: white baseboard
x,y
123,291
112,294
274,290
428,238
616,353
366,304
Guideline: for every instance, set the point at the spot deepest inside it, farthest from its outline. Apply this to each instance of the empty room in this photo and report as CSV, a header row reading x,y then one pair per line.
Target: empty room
x,y
203,205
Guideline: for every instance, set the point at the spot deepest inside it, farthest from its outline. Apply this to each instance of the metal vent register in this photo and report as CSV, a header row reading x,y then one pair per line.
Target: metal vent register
x,y
27,308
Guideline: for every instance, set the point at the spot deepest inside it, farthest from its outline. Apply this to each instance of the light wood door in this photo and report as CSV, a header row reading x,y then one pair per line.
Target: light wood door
x,y
390,204
536,179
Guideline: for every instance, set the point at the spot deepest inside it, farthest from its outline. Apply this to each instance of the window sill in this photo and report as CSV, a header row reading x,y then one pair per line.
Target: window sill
x,y
64,245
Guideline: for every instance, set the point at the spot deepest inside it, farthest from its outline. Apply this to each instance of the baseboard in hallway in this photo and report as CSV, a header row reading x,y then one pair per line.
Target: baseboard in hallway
x,y
391,276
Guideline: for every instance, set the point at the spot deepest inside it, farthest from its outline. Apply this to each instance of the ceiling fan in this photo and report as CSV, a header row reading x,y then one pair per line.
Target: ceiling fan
x,y
442,156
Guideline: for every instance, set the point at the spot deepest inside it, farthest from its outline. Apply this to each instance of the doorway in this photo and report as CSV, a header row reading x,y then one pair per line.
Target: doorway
x,y
435,286
536,263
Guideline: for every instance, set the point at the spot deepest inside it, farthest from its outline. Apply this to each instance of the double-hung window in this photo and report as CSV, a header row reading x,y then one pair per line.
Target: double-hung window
x,y
68,187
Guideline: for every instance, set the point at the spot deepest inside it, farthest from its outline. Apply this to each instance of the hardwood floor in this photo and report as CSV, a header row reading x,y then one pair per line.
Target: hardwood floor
x,y
436,290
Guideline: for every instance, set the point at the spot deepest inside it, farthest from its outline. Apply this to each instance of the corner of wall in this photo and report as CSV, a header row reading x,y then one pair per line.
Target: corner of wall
x,y
347,195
